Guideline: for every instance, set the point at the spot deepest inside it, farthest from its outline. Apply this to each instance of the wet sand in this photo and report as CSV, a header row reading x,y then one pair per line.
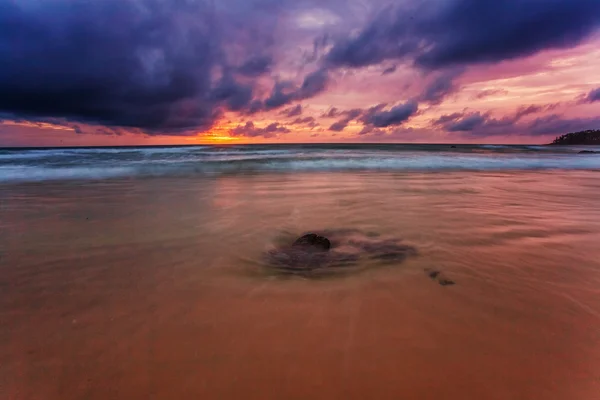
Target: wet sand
x,y
154,288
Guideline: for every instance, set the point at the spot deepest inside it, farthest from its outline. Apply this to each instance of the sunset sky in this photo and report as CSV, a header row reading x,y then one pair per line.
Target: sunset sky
x,y
123,72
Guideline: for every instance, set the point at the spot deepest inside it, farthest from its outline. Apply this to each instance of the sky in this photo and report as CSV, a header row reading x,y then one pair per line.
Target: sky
x,y
152,72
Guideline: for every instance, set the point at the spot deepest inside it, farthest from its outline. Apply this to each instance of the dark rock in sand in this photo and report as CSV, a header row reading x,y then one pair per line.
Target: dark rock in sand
x,y
439,276
335,248
452,147
433,274
588,152
314,242
446,282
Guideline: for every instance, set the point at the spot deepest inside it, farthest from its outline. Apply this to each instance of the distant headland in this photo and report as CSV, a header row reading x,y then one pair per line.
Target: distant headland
x,y
591,137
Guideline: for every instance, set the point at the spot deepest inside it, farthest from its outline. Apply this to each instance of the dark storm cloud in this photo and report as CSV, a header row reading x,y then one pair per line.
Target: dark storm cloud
x,y
237,96
256,66
147,64
313,84
285,92
140,64
593,96
437,34
249,130
282,94
395,116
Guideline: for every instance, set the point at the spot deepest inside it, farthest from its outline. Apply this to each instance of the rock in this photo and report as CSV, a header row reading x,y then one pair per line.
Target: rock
x,y
452,147
433,274
439,276
446,282
328,250
588,152
314,242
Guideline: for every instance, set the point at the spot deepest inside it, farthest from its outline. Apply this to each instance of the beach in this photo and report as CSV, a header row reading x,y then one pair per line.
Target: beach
x,y
140,274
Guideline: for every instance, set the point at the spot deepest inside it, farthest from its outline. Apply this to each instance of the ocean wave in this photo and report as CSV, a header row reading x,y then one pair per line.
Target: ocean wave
x,y
36,174
294,163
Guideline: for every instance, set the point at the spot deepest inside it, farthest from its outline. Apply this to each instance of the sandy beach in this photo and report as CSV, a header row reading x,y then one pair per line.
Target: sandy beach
x,y
155,288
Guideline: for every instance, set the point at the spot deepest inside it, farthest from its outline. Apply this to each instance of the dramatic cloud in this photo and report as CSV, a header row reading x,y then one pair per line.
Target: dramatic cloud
x,y
477,124
249,130
437,34
481,125
186,67
148,64
374,117
484,124
442,86
237,96
256,66
331,113
395,116
556,124
311,122
140,64
444,119
285,92
349,116
524,111
467,123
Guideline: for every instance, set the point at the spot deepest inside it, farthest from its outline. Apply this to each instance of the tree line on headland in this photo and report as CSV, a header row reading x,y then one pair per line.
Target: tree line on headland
x,y
590,137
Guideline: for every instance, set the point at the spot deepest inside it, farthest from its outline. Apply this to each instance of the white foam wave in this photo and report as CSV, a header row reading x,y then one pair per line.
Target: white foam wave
x,y
404,162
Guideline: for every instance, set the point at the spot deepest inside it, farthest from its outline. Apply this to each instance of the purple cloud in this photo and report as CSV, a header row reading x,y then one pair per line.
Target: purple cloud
x,y
256,66
311,122
250,130
395,116
389,70
489,92
339,125
147,64
285,92
556,124
467,123
349,116
331,113
593,96
435,34
442,86
293,111
477,124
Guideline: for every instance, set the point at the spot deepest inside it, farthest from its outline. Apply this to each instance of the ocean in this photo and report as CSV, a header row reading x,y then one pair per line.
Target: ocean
x,y
146,272
113,162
